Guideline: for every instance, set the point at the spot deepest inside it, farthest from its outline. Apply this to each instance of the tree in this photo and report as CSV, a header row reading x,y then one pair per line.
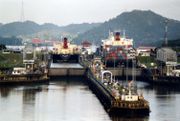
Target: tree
x,y
2,47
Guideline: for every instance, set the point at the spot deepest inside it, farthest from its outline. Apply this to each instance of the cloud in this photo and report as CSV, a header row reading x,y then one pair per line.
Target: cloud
x,y
77,11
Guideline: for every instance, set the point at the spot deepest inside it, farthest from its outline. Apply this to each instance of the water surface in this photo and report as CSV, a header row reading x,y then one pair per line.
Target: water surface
x,y
72,100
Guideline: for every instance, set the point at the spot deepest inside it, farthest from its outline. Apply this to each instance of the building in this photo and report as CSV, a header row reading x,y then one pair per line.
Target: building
x,y
86,47
86,44
167,60
144,50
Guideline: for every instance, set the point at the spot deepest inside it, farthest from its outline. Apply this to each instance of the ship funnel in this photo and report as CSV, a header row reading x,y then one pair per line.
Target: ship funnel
x,y
117,36
65,43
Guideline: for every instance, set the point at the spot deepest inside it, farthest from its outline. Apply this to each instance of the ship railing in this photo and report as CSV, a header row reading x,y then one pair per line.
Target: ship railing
x,y
141,104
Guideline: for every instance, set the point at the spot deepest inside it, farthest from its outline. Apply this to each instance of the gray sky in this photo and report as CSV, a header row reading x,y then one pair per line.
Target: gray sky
x,y
63,12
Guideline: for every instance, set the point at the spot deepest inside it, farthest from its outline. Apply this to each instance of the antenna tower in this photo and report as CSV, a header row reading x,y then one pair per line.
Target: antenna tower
x,y
22,11
166,31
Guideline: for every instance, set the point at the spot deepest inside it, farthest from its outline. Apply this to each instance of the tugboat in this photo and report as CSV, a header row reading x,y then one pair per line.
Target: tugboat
x,y
117,49
125,100
65,52
130,102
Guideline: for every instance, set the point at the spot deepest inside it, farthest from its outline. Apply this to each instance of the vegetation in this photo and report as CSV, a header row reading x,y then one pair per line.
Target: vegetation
x,y
174,43
10,41
10,60
178,60
147,60
79,28
29,28
145,27
2,47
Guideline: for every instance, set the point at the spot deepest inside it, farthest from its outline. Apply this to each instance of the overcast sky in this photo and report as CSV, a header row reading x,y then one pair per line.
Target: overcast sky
x,y
63,12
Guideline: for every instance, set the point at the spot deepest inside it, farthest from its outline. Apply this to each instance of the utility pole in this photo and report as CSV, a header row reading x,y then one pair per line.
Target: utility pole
x,y
24,51
166,31
124,33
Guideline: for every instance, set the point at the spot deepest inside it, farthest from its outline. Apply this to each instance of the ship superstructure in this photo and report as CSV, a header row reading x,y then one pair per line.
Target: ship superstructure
x,y
65,52
117,49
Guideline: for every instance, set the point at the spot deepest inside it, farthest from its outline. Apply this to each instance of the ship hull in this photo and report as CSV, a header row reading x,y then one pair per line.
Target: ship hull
x,y
118,57
65,58
118,63
129,112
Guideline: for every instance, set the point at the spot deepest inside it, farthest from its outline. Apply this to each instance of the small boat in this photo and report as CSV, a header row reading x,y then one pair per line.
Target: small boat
x,y
126,99
129,102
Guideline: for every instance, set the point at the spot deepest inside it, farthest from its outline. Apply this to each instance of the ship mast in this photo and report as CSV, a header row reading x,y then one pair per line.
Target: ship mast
x,y
126,64
124,33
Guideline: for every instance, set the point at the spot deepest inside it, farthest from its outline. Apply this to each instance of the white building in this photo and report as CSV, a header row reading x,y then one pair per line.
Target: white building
x,y
19,71
167,55
168,60
144,50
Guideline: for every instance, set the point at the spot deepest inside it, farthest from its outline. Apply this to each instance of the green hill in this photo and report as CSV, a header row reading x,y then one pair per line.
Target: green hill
x,y
174,43
29,28
145,27
10,40
79,28
19,28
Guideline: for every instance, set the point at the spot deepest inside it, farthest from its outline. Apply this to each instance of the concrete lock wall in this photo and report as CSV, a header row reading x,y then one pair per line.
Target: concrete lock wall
x,y
124,71
66,72
77,72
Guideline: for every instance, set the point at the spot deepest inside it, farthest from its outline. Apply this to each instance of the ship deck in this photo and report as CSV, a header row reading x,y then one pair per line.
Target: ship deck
x,y
65,65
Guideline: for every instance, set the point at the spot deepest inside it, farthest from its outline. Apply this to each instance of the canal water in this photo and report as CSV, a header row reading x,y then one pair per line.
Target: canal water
x,y
71,100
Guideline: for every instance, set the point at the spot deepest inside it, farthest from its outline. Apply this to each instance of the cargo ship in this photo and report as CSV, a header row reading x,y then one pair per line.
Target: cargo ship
x,y
117,50
65,52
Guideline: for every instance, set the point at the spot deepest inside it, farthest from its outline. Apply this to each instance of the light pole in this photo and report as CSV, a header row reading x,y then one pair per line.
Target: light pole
x,y
166,31
126,65
106,55
114,67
